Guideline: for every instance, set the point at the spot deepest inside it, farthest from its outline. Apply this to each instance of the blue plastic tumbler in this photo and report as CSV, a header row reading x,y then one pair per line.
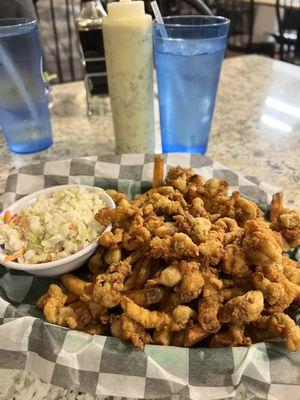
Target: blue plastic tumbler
x,y
189,52
24,114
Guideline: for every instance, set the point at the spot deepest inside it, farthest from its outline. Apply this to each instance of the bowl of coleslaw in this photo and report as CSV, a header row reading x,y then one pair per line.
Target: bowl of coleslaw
x,y
52,231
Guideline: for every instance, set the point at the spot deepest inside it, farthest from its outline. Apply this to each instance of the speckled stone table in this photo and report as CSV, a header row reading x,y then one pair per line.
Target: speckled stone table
x,y
256,128
256,131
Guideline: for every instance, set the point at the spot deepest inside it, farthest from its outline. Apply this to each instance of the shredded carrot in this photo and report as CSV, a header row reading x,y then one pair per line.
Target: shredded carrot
x,y
73,228
48,258
15,218
16,255
23,222
7,216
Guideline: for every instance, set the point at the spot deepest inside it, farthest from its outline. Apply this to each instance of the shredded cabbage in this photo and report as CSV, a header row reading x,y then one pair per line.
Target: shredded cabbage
x,y
53,228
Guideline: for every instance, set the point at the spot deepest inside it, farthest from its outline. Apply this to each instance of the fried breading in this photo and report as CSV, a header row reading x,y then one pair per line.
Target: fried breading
x,y
170,277
194,334
278,294
278,325
234,261
231,337
111,239
148,319
242,309
126,328
291,270
112,256
260,245
107,288
208,308
176,247
212,251
96,263
244,209
74,284
284,220
230,228
55,309
190,287
163,337
147,296
181,316
212,283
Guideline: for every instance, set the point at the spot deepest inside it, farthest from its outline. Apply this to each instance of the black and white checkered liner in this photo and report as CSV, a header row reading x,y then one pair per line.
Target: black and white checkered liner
x,y
107,366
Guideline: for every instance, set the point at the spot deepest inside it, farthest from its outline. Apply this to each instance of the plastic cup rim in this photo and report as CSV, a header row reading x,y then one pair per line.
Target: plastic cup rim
x,y
224,20
27,22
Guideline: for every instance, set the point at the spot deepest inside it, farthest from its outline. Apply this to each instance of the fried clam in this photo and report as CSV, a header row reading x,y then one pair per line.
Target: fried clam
x,y
291,270
179,178
194,334
75,315
208,308
230,229
242,309
230,337
170,276
75,285
162,337
212,283
279,294
182,315
197,228
111,239
212,250
234,261
176,247
277,325
244,209
260,244
284,220
148,319
108,286
96,263
124,327
190,286
146,297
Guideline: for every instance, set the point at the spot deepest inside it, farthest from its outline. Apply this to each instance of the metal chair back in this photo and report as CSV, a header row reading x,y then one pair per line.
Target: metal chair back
x,y
241,15
288,18
180,7
57,31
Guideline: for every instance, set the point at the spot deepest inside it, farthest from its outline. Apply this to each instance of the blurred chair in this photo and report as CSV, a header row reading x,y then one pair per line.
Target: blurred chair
x,y
240,37
58,37
180,7
241,14
288,37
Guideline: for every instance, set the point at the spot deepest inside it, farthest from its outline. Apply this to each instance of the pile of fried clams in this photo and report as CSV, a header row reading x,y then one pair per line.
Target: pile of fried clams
x,y
186,263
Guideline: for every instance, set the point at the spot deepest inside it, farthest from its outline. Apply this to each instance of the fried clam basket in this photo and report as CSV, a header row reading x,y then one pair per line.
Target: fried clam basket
x,y
186,263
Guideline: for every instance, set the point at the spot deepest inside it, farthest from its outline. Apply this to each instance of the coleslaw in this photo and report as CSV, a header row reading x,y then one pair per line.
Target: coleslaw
x,y
52,228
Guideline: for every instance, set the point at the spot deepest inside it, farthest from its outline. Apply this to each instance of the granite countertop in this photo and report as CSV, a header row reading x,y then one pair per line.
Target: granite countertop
x,y
256,132
256,128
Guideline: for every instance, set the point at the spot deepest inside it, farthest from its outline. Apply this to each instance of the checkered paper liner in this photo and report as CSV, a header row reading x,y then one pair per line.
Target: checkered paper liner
x,y
107,366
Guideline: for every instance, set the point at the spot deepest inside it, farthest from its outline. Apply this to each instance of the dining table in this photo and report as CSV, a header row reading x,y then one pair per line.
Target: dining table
x,y
255,129
255,132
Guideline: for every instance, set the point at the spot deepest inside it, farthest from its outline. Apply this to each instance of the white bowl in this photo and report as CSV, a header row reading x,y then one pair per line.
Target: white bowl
x,y
64,265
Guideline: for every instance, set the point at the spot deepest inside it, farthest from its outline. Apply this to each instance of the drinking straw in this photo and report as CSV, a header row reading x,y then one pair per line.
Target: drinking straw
x,y
100,7
205,7
159,19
